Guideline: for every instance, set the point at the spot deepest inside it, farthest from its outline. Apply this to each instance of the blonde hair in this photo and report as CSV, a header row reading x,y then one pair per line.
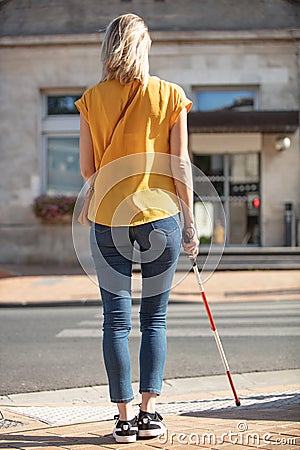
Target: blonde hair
x,y
125,50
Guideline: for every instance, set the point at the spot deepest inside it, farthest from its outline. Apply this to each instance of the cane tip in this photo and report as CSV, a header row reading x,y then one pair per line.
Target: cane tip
x,y
238,403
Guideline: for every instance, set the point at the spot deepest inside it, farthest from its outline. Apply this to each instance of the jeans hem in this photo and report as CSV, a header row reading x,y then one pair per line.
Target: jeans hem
x,y
151,391
126,400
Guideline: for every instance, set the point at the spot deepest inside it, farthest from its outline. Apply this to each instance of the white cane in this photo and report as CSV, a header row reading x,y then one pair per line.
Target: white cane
x,y
187,238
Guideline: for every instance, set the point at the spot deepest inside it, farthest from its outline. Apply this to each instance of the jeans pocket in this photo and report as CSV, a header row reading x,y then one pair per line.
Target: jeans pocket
x,y
100,229
167,226
101,235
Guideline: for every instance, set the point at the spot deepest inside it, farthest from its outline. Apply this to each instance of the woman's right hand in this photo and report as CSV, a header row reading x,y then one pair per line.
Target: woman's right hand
x,y
190,242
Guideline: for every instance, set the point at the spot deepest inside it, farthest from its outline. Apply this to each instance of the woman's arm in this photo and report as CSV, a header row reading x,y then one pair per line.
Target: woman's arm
x,y
87,164
182,173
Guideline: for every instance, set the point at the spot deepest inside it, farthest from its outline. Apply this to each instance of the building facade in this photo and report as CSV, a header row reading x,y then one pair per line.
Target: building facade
x,y
239,64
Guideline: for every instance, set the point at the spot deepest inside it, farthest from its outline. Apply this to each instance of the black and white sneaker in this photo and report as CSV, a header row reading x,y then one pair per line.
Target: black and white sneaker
x,y
125,431
150,425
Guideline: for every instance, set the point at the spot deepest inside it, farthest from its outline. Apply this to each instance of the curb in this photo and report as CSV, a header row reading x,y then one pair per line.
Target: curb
x,y
174,389
48,303
74,303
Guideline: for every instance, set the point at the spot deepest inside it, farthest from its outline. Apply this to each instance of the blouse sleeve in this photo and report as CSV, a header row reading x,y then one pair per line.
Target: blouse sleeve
x,y
82,107
180,101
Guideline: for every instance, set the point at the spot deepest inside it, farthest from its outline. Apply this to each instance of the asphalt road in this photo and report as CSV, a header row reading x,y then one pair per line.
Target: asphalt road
x,y
59,347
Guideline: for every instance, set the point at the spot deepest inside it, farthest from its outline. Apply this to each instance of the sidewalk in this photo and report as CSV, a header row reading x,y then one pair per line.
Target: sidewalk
x,y
198,412
35,285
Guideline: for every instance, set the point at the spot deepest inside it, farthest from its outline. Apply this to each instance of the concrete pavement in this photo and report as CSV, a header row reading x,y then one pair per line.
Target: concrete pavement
x,y
198,412
42,285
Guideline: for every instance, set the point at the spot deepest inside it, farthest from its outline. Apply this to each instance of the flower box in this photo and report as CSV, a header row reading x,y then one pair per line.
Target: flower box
x,y
54,210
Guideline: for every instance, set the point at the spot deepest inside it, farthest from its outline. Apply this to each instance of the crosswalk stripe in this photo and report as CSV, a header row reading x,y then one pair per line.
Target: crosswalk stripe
x,y
240,309
179,332
191,308
224,305
203,320
236,313
276,319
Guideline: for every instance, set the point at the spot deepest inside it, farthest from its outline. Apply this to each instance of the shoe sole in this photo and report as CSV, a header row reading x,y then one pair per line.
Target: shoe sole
x,y
152,433
124,439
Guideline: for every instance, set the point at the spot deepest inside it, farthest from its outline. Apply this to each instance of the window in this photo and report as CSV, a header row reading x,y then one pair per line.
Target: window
x,y
63,174
61,171
61,104
226,100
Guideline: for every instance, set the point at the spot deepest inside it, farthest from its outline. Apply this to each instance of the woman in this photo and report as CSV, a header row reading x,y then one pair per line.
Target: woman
x,y
133,149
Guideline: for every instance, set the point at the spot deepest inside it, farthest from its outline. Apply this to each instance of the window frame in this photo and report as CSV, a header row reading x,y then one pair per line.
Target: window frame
x,y
45,179
59,126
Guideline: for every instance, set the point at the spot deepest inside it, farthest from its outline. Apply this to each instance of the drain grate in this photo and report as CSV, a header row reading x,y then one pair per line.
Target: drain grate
x,y
80,414
7,423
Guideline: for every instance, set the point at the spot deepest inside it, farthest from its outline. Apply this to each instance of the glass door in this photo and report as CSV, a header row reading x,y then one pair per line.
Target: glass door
x,y
243,202
237,182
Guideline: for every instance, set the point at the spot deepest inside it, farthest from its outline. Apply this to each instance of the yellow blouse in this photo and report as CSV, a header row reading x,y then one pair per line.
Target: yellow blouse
x,y
134,183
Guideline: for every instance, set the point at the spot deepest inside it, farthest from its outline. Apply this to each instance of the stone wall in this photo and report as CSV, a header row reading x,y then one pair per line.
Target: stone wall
x,y
30,66
280,185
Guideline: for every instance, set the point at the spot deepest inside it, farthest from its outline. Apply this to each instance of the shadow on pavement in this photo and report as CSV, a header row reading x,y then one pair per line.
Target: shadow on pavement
x,y
273,407
27,441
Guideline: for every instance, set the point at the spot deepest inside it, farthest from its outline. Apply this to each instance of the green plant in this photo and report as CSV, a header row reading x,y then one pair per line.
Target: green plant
x,y
50,207
205,240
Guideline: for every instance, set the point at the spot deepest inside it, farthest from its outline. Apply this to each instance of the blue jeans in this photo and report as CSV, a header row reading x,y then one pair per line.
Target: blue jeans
x,y
113,254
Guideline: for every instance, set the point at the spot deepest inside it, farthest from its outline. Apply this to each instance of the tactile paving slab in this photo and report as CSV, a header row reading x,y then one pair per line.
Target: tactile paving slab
x,y
67,415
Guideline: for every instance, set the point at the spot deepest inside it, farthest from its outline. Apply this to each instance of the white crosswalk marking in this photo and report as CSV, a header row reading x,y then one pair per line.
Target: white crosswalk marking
x,y
270,331
203,321
190,320
81,333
